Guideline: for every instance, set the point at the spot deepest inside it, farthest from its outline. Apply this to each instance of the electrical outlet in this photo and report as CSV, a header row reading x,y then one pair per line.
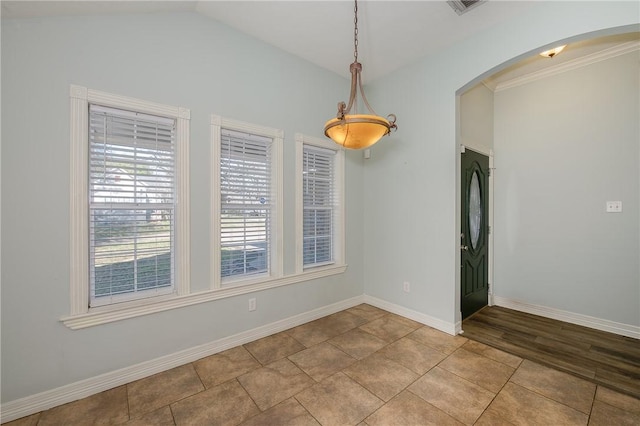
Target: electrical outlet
x,y
406,287
252,304
614,206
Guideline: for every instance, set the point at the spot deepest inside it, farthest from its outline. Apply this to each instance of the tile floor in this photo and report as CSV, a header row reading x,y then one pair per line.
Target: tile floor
x,y
362,366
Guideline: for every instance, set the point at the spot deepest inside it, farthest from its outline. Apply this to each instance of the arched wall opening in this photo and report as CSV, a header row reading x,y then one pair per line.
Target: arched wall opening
x,y
560,291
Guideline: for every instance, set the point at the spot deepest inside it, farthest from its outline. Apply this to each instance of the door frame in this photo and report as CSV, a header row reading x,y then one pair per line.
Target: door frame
x,y
490,206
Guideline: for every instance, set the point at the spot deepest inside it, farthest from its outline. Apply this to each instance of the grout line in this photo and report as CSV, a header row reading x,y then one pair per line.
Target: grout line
x,y
593,402
253,400
173,417
193,365
128,402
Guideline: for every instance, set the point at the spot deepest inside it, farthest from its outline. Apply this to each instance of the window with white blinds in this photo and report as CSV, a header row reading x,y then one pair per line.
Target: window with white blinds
x,y
318,205
132,198
246,203
320,242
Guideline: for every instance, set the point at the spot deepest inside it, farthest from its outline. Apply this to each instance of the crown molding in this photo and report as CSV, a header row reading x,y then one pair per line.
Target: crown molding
x,y
593,58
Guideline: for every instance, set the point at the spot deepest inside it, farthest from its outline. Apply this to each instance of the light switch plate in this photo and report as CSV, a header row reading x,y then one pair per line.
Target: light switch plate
x,y
614,206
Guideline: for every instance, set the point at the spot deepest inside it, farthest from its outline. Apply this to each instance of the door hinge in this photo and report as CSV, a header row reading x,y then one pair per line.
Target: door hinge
x,y
489,172
489,229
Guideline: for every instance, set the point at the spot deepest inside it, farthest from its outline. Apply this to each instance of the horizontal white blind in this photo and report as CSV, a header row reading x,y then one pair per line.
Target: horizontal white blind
x,y
246,203
318,168
131,204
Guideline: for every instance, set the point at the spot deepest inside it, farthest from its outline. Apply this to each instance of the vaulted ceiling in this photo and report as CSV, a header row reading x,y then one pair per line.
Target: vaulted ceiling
x,y
391,34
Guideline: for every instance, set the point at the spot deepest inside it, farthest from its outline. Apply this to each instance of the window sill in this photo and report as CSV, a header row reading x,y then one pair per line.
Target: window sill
x,y
116,313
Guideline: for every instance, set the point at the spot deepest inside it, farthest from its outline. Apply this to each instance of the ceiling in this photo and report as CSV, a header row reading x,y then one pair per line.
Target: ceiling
x,y
391,34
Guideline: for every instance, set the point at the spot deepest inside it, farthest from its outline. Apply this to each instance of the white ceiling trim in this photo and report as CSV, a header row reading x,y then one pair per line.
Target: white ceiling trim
x,y
609,53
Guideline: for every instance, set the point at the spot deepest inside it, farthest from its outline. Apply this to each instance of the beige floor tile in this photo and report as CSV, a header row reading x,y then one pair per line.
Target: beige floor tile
x,y
287,413
109,407
367,312
225,404
413,355
618,399
227,365
492,353
338,400
410,410
606,415
341,322
489,418
438,340
485,372
160,417
311,333
562,387
454,395
322,360
31,420
406,321
357,343
381,376
274,383
521,406
387,329
273,348
162,389
340,369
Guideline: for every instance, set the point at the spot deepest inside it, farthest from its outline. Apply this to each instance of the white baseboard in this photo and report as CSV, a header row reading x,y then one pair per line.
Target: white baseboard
x,y
44,400
436,323
571,317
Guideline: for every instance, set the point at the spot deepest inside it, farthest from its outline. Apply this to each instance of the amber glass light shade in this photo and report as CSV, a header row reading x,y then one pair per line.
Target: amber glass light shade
x,y
552,52
357,131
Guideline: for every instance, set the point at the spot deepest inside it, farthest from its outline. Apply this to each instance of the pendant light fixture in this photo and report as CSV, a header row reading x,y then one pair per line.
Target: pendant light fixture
x,y
357,131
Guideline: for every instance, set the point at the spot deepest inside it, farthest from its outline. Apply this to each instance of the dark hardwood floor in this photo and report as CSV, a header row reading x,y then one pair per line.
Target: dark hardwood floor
x,y
604,358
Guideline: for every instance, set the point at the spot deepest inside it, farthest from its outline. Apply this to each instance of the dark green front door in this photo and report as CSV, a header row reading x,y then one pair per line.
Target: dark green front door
x,y
474,261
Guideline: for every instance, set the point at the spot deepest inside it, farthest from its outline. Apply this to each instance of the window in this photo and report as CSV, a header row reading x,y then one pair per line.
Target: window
x,y
131,204
247,202
129,208
320,189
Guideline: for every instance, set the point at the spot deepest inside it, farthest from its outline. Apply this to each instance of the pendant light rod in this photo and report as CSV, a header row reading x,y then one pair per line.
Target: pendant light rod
x,y
356,82
357,131
355,31
356,77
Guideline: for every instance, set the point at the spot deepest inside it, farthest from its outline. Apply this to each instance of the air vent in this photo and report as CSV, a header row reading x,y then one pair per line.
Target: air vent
x,y
462,6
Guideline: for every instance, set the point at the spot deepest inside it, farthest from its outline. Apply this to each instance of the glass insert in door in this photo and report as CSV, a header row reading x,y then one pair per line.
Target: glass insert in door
x,y
475,210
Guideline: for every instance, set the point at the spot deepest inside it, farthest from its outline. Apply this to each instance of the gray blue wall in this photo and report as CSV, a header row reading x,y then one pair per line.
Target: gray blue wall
x,y
565,145
183,60
476,119
411,183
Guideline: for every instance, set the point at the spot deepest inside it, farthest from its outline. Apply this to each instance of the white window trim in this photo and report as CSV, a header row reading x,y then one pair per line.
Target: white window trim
x,y
134,309
80,98
277,255
80,316
339,232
